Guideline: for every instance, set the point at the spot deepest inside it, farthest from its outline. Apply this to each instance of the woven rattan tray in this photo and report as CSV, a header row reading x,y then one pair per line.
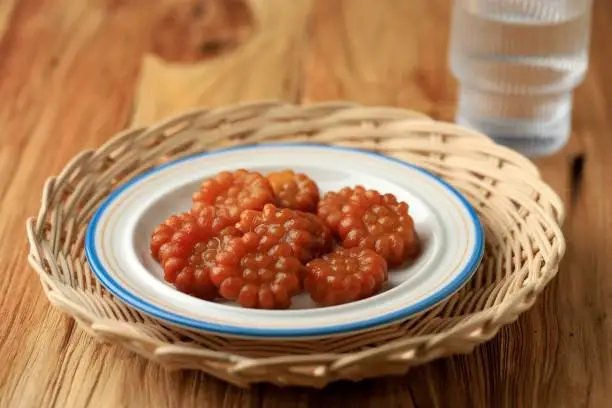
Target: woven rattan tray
x,y
520,213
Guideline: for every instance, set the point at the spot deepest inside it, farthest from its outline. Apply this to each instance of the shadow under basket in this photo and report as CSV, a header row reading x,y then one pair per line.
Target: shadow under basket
x,y
521,216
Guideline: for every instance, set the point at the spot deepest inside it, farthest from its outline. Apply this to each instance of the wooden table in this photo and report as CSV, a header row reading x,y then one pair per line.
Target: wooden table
x,y
73,72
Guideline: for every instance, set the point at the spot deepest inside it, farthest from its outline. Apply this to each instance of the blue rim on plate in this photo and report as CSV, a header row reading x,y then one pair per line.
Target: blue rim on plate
x,y
153,310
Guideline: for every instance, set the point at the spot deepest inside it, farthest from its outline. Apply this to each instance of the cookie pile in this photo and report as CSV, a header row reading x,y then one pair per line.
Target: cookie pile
x,y
260,240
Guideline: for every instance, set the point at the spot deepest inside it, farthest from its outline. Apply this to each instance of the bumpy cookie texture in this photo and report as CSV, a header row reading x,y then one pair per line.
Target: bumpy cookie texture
x,y
293,190
186,246
345,275
253,278
367,219
304,233
233,192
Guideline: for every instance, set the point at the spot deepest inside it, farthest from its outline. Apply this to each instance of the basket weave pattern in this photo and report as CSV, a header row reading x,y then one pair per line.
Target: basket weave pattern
x,y
520,213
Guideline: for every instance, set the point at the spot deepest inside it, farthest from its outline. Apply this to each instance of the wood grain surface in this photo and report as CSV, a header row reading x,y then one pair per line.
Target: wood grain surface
x,y
74,72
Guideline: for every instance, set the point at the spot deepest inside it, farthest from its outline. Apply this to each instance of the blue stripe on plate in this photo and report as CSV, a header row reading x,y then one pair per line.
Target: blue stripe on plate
x,y
129,298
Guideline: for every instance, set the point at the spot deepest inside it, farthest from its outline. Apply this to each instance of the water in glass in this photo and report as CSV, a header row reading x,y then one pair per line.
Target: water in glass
x,y
518,62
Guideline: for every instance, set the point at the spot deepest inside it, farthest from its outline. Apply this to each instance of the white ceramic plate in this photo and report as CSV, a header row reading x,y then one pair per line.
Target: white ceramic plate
x,y
117,242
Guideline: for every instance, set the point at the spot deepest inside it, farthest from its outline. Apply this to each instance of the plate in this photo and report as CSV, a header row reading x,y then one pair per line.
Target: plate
x,y
117,242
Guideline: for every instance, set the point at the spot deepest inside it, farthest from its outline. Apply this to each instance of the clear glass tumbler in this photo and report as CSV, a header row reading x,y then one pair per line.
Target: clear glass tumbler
x,y
518,62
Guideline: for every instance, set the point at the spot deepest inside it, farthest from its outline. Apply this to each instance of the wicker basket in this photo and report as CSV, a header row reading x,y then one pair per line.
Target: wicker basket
x,y
520,213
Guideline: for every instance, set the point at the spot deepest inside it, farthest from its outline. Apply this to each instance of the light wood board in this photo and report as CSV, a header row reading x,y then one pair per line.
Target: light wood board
x,y
74,72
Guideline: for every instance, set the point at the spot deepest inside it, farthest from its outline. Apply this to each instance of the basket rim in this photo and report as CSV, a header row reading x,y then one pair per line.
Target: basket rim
x,y
377,322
